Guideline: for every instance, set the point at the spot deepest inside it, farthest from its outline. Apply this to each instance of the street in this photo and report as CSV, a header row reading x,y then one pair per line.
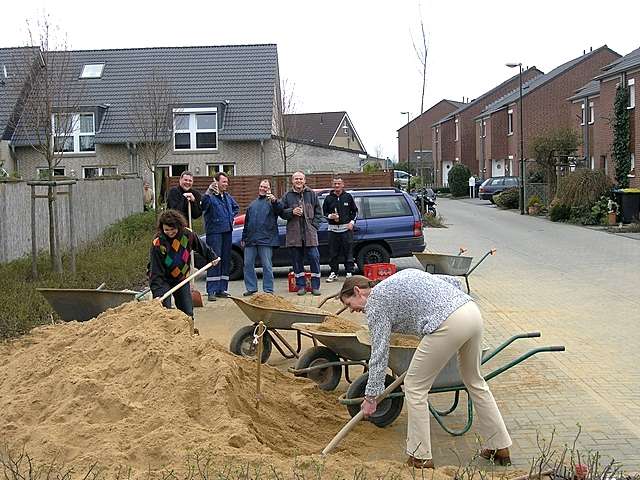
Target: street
x,y
577,286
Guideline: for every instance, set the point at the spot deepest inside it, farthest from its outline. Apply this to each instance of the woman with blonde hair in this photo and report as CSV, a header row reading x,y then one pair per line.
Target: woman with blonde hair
x,y
435,308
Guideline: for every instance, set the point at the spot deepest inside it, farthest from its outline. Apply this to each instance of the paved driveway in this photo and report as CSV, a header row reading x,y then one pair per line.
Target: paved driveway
x,y
578,286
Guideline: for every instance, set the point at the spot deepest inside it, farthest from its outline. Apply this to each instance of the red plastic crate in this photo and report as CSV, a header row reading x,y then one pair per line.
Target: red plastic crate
x,y
378,271
292,282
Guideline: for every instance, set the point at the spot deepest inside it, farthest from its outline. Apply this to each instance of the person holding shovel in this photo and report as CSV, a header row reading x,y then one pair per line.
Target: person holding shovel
x,y
430,306
169,259
183,195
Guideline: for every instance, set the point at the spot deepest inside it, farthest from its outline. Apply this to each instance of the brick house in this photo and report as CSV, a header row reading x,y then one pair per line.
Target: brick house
x,y
586,116
625,70
454,136
224,112
544,108
419,132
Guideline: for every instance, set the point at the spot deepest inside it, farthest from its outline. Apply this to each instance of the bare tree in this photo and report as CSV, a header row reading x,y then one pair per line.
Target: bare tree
x,y
47,114
285,123
152,123
378,151
422,52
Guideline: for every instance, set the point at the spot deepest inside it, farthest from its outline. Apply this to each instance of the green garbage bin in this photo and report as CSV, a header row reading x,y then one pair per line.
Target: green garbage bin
x,y
628,200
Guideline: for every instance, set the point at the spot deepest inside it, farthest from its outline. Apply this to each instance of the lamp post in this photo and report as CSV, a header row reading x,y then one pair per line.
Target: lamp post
x,y
519,65
408,151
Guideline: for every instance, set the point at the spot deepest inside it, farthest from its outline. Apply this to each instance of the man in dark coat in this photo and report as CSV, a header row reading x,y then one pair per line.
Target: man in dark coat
x,y
219,210
180,196
301,209
260,237
340,209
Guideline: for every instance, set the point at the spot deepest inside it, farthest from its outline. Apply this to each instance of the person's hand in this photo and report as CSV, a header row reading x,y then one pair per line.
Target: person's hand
x,y
189,196
369,407
297,211
271,197
214,187
242,243
350,226
333,216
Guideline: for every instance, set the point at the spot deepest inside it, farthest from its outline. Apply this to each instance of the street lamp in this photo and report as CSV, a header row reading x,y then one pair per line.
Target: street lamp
x,y
408,152
519,65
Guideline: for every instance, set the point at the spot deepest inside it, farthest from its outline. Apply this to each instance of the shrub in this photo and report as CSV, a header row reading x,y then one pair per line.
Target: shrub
x,y
459,180
560,212
583,188
118,258
507,199
434,222
534,200
440,190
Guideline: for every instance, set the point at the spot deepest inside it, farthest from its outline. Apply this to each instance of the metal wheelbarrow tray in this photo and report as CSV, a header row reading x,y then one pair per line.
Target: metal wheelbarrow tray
x,y
242,342
448,380
455,265
323,363
82,304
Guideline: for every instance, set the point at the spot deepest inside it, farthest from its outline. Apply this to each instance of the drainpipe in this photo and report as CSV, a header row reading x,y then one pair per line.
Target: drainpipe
x,y
262,166
585,131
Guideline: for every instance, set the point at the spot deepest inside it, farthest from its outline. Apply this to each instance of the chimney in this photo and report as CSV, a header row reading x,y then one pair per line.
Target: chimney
x,y
591,49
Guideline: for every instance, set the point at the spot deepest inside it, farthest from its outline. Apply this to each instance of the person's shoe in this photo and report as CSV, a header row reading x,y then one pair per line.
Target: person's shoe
x,y
211,297
223,294
248,293
500,456
301,292
316,292
349,274
332,277
419,462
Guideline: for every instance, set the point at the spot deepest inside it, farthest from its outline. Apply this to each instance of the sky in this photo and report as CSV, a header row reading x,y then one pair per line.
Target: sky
x,y
355,55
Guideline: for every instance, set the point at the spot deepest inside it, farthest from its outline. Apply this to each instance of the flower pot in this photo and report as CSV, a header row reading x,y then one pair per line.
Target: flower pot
x,y
534,210
612,218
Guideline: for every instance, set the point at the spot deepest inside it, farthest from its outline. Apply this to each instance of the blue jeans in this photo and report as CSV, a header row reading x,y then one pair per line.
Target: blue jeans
x,y
182,297
218,276
250,279
312,254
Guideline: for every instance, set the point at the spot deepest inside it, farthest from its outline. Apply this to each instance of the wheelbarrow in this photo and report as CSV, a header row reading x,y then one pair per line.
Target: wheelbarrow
x,y
83,304
455,265
447,381
324,363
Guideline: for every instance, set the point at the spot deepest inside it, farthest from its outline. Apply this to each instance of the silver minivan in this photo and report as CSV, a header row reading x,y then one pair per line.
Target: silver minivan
x,y
401,178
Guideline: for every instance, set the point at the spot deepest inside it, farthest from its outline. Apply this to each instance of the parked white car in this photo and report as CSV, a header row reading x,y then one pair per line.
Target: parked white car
x,y
401,177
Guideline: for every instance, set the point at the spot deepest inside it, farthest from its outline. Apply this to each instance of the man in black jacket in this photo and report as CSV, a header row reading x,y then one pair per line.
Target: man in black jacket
x,y
341,211
180,196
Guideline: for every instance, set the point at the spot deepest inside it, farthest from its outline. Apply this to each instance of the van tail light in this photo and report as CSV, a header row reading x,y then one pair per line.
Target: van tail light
x,y
481,189
417,228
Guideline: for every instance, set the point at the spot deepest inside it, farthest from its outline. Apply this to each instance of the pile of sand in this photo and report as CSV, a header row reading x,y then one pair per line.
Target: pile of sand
x,y
133,387
276,302
333,323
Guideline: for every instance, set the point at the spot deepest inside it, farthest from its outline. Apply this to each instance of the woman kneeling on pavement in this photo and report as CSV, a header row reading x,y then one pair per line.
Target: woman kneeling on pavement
x,y
430,306
170,257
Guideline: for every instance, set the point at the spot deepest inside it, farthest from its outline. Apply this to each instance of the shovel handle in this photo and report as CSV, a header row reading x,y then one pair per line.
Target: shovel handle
x,y
186,280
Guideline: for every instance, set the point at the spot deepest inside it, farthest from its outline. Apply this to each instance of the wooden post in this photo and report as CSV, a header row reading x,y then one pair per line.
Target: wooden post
x,y
56,236
72,233
34,244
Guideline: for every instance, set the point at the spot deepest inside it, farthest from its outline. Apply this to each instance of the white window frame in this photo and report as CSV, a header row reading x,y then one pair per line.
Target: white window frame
x,y
75,132
40,170
457,130
193,128
633,162
483,128
100,168
592,113
510,122
582,114
92,70
219,167
632,93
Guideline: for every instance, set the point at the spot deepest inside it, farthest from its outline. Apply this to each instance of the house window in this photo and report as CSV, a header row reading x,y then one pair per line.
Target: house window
x,y
633,162
195,128
483,128
93,172
457,130
593,163
92,70
582,114
510,122
592,113
74,132
228,168
43,172
632,92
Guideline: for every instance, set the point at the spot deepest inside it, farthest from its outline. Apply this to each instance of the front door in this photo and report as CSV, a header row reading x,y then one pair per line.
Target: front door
x,y
446,167
497,168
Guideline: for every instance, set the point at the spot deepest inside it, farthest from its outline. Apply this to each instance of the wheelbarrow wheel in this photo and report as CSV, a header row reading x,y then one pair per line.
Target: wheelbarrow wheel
x,y
242,344
388,410
326,378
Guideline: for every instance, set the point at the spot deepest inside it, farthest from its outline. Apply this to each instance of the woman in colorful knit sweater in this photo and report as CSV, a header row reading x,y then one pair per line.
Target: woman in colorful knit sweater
x,y
434,308
170,258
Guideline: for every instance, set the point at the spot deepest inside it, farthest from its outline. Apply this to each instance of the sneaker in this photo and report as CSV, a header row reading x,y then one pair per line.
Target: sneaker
x,y
248,293
211,297
332,277
301,291
500,456
420,463
223,294
316,292
349,274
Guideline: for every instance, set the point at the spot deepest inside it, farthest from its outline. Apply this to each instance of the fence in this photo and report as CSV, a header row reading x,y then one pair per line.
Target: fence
x,y
97,203
245,188
539,189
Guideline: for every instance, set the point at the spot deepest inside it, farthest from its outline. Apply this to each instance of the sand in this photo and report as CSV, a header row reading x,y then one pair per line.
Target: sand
x,y
276,302
134,387
333,323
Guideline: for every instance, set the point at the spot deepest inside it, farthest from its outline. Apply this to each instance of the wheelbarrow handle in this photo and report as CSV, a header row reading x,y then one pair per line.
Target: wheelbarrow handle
x,y
188,279
506,343
490,252
142,293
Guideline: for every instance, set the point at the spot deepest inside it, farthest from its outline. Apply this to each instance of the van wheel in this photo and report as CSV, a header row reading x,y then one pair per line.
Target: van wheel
x,y
372,253
236,266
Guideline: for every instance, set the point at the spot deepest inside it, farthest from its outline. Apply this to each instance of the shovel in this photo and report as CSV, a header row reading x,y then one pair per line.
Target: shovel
x,y
196,297
188,279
